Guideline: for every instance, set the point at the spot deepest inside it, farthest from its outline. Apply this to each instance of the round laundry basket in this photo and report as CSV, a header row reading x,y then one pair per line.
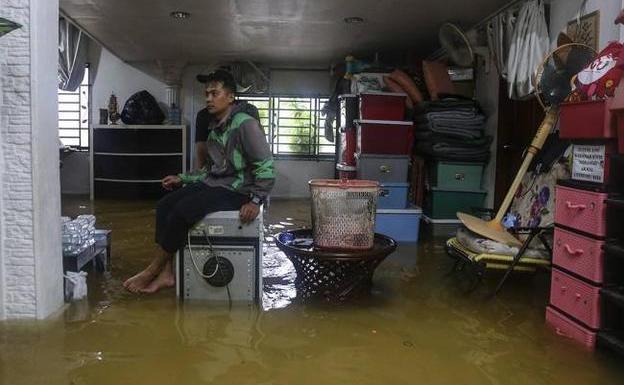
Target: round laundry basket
x,y
343,213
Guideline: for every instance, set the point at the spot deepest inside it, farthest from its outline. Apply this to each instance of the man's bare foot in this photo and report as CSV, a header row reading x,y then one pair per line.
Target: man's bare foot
x,y
165,279
141,280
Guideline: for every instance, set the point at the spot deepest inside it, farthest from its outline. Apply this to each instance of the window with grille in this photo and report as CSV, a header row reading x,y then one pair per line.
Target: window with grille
x,y
294,125
73,115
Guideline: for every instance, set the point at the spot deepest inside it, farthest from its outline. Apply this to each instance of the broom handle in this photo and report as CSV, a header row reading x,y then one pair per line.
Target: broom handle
x,y
536,145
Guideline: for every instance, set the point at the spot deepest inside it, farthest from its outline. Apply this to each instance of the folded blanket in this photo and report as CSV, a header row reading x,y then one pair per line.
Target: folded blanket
x,y
446,151
468,132
446,104
483,141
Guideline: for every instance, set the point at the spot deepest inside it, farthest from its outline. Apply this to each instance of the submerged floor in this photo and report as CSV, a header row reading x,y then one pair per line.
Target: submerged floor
x,y
418,326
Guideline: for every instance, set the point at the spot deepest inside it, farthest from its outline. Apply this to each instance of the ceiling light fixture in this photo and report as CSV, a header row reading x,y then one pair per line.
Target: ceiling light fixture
x,y
180,15
353,20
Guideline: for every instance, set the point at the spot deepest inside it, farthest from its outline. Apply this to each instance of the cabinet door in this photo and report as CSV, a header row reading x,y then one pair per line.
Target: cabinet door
x,y
136,167
142,141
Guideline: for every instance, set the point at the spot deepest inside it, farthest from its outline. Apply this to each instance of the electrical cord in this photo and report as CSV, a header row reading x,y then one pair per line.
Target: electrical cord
x,y
212,254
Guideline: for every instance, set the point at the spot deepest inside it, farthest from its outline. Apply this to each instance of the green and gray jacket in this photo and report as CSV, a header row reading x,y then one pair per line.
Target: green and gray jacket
x,y
239,157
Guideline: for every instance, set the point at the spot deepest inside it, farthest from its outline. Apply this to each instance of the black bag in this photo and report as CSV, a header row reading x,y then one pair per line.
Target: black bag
x,y
142,108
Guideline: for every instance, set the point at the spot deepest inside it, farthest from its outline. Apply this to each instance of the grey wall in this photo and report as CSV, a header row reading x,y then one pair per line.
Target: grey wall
x,y
563,11
108,75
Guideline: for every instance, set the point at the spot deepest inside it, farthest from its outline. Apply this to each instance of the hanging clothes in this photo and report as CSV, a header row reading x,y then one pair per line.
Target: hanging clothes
x,y
529,46
72,56
500,31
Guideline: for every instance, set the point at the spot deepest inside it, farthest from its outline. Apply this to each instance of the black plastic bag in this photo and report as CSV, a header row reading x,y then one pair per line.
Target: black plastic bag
x,y
142,108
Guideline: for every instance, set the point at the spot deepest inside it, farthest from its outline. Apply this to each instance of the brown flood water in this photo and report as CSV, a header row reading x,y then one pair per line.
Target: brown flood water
x,y
417,327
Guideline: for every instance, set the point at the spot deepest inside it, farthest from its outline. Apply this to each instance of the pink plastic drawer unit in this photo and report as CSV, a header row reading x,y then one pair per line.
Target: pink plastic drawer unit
x,y
382,106
575,297
581,210
384,137
579,254
567,328
587,120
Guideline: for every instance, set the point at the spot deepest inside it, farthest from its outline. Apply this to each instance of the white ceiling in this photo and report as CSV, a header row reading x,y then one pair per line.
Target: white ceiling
x,y
291,32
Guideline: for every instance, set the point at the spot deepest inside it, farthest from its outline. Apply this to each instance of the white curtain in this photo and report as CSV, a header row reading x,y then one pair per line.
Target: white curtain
x,y
529,47
499,35
72,56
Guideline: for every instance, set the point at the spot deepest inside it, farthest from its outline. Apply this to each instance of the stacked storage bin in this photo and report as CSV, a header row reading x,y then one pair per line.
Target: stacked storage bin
x,y
384,142
450,135
587,295
454,186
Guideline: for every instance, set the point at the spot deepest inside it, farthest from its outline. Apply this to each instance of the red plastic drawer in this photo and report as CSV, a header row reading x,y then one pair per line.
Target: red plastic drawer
x,y
575,297
384,137
382,106
579,254
581,210
565,327
348,145
587,120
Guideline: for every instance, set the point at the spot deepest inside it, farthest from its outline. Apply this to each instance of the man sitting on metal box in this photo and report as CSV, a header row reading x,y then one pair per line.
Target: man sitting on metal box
x,y
238,175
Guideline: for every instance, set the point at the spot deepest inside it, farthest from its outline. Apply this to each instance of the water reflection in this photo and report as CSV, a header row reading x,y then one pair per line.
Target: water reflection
x,y
416,327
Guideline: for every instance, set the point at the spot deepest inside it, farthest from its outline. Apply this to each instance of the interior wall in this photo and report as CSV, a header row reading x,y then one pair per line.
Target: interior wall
x,y
563,11
108,75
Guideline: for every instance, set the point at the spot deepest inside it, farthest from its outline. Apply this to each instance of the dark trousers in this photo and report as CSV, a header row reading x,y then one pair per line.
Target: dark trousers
x,y
179,210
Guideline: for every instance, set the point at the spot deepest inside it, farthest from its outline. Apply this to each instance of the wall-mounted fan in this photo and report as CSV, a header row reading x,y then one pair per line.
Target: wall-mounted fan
x,y
460,46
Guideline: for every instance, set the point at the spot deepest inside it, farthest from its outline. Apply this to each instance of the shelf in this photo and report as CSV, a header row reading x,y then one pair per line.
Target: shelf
x,y
139,154
129,161
128,180
138,127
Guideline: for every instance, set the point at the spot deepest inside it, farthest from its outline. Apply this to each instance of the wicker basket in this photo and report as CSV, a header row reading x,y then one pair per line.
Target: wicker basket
x,y
343,213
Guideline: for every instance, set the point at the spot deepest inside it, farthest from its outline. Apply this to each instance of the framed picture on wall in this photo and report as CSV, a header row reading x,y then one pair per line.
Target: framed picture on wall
x,y
586,30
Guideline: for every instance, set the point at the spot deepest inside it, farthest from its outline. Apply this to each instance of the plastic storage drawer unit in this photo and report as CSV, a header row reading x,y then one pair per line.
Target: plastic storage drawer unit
x,y
382,106
402,225
383,168
384,137
586,120
445,203
456,175
581,210
392,196
578,254
575,297
565,327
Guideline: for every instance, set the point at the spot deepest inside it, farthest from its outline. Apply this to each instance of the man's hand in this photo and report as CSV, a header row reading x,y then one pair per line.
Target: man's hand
x,y
171,181
248,212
